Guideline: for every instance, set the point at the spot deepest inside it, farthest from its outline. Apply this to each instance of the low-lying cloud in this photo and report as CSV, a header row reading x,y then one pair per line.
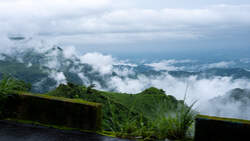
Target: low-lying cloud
x,y
222,64
169,65
127,80
101,63
234,103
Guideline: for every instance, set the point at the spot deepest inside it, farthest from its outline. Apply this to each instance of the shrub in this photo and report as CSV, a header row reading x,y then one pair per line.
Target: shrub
x,y
153,90
9,84
176,126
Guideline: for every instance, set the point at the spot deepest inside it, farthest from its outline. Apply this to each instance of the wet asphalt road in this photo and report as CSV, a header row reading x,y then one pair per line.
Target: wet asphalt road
x,y
10,131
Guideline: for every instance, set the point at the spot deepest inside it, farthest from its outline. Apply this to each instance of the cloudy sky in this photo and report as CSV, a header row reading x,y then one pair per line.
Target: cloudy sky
x,y
133,27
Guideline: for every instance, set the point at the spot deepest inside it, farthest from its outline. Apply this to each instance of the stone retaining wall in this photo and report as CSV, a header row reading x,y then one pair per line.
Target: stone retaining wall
x,y
55,111
209,128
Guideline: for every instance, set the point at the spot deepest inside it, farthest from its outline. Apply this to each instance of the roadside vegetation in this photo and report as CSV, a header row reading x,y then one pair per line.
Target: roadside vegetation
x,y
7,86
149,115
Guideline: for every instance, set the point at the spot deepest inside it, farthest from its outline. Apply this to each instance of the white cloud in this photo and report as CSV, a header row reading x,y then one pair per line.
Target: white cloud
x,y
128,85
222,64
29,65
168,65
103,21
198,89
69,51
245,60
59,77
228,106
123,72
101,63
104,63
126,63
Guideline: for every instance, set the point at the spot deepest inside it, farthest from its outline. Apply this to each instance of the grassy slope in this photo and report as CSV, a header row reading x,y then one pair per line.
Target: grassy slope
x,y
118,108
150,105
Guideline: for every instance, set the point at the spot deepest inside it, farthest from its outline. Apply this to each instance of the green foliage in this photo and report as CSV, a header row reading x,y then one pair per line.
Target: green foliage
x,y
149,104
176,125
69,91
153,90
7,86
155,106
128,115
141,115
90,88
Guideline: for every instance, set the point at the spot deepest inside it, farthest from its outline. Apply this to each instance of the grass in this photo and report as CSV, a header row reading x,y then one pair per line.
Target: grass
x,y
75,100
149,104
172,124
176,126
224,119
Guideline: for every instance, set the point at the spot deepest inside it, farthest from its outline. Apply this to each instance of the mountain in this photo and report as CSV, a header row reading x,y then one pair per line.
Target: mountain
x,y
240,96
46,69
42,69
235,103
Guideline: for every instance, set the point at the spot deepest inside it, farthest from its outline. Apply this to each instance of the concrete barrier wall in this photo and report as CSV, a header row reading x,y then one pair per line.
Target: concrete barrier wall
x,y
55,111
209,128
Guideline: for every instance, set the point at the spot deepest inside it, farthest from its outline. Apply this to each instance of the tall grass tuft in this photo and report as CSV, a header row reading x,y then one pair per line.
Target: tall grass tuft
x,y
176,126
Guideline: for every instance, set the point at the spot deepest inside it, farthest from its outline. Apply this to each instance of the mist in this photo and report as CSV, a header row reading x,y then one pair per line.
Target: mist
x,y
123,76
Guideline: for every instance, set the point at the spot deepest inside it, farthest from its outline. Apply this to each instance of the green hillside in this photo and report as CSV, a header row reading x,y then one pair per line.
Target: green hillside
x,y
145,115
130,115
151,102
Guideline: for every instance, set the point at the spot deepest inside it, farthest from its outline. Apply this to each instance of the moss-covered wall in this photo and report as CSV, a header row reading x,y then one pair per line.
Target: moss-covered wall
x,y
209,128
55,111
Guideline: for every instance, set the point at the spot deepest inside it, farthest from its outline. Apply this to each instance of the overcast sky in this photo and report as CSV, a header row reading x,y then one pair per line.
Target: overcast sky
x,y
131,26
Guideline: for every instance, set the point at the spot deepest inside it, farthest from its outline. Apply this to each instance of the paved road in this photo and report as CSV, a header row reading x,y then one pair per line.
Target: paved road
x,y
10,131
